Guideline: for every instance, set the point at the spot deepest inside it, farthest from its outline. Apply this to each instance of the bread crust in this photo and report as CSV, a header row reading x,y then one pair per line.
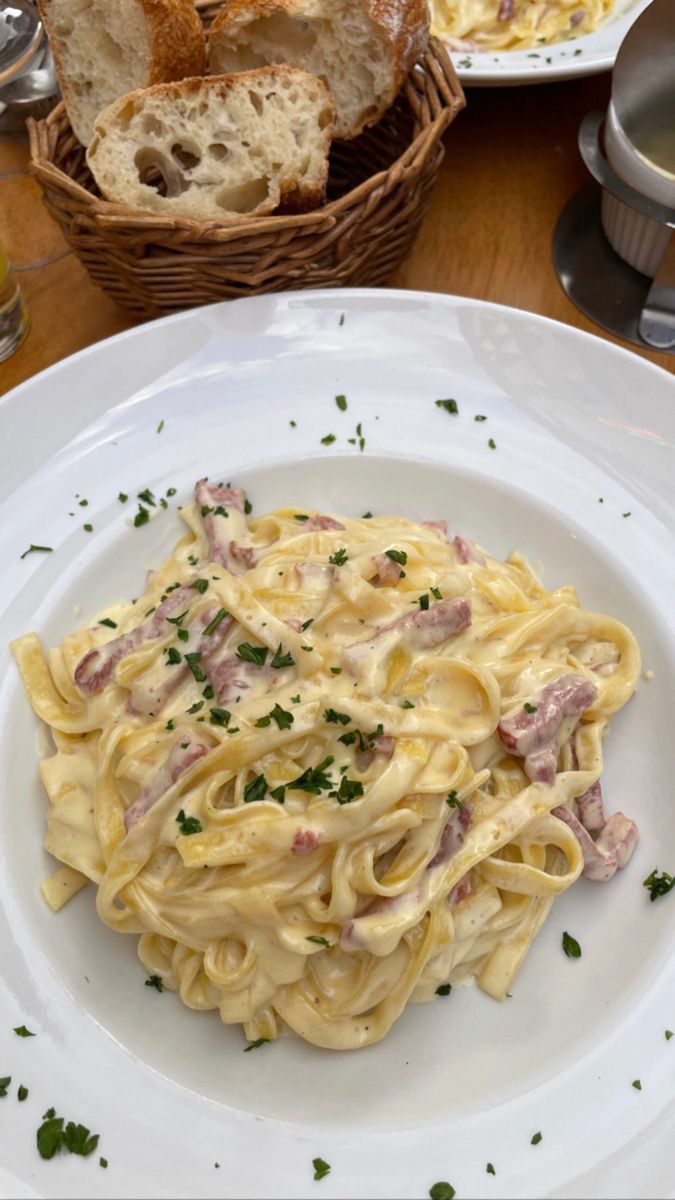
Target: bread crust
x,y
403,23
176,38
177,46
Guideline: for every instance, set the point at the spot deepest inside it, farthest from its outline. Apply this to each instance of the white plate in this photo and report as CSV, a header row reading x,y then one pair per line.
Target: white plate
x,y
458,1082
589,54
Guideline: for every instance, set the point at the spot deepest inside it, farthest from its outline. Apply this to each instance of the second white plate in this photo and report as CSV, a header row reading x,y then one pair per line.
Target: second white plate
x,y
589,54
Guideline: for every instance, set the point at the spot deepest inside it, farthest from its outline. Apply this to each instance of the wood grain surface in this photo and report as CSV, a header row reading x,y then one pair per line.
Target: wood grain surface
x,y
511,165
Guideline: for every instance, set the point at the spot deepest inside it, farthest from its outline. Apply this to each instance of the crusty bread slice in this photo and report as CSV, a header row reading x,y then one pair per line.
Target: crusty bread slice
x,y
105,48
219,148
362,49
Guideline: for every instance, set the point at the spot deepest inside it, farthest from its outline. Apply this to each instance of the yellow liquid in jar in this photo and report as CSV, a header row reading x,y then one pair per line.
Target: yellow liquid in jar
x,y
13,315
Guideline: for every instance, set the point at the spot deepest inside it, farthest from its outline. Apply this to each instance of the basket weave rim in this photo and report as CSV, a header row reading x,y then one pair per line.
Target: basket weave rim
x,y
436,62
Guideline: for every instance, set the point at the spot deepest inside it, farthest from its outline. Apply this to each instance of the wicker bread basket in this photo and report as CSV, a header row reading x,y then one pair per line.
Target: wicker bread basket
x,y
378,192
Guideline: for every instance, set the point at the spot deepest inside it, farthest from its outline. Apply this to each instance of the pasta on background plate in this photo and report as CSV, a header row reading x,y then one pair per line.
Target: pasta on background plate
x,y
325,766
498,25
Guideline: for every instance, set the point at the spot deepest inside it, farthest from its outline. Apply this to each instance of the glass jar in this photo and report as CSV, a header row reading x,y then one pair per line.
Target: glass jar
x,y
13,315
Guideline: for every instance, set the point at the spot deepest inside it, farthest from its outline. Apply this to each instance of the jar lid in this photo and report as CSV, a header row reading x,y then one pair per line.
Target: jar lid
x,y
21,34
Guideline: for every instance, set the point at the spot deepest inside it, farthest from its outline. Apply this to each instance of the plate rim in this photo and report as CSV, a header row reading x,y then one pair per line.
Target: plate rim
x,y
449,299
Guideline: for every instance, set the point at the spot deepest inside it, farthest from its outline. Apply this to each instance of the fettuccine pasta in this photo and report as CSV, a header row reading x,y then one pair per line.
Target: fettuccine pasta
x,y
325,766
514,24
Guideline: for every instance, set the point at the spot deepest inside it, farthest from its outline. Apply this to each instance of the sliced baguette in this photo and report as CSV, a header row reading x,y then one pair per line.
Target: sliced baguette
x,y
362,49
217,149
105,48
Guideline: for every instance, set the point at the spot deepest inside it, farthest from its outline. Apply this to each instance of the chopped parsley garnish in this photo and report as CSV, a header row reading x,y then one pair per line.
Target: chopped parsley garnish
x,y
407,704
21,1031
173,655
22,1093
219,716
535,1139
253,654
626,514
171,491
263,722
336,670
293,424
301,517
436,593
424,602
279,794
170,724
314,779
492,443
103,1162
480,417
183,635
397,556
83,503
321,1168
177,620
295,699
88,528
283,718
637,1085
306,624
109,623
147,497
332,717
328,439
453,801
155,981
444,990
319,941
200,585
4,1084
348,739
490,1169
32,548
122,497
342,319
188,825
213,625
282,660
339,558
248,507
341,401
659,885
669,1034
449,406
51,1137
530,708
208,692
255,790
367,516
160,426
349,789
571,946
442,1190
309,649
256,1044
142,516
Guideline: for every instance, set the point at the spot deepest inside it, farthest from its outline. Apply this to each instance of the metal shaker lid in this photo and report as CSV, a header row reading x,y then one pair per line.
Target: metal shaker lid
x,y
643,83
21,34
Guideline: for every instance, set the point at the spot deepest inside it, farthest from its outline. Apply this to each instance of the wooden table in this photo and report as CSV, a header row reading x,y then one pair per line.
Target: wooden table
x,y
511,164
